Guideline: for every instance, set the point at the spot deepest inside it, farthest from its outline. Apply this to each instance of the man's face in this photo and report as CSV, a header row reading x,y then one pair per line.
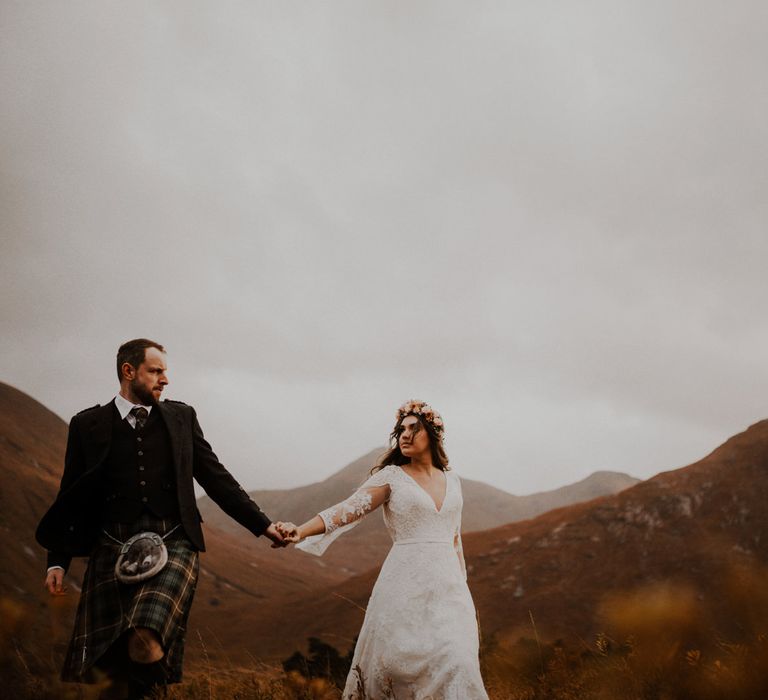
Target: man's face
x,y
148,380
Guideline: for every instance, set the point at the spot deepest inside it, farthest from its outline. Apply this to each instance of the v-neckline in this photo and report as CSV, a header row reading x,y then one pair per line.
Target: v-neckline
x,y
434,504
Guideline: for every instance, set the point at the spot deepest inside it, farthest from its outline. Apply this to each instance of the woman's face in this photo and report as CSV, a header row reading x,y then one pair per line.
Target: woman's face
x,y
413,440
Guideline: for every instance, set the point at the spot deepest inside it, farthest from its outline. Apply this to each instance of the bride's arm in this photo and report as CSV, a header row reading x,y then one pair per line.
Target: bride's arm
x,y
342,516
348,512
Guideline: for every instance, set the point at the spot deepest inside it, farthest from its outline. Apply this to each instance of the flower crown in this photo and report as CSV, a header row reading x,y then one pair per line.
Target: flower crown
x,y
425,411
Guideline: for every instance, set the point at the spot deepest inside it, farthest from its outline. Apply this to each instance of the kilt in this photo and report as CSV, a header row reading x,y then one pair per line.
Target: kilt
x,y
108,608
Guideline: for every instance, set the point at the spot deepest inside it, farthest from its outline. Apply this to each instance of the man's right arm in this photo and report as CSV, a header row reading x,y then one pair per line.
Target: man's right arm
x,y
223,488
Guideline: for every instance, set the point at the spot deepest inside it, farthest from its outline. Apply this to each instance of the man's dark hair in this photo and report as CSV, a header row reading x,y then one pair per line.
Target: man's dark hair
x,y
133,352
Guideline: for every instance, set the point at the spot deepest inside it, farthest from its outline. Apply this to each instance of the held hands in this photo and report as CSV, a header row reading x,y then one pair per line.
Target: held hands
x,y
282,534
289,532
273,533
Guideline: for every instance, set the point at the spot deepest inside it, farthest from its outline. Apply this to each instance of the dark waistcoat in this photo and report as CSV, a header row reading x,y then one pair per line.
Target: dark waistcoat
x,y
138,472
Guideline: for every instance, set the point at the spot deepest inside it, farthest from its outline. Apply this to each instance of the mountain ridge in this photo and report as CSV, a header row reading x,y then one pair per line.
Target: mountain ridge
x,y
695,528
689,536
485,506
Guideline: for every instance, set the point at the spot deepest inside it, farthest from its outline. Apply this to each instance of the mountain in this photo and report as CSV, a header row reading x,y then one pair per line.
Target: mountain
x,y
695,528
366,546
32,441
247,592
687,547
673,567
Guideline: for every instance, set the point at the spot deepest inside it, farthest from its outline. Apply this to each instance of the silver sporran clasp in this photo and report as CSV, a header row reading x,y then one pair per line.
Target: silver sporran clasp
x,y
142,556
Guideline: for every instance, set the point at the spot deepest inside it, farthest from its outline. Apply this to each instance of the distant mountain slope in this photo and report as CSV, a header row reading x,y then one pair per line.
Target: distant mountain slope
x,y
484,507
32,442
699,530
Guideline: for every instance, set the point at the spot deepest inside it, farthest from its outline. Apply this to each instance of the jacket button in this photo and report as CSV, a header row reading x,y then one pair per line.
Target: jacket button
x,y
144,500
141,454
138,439
71,528
142,483
141,468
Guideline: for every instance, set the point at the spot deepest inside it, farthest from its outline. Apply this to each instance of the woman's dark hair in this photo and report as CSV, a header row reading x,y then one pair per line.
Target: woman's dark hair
x,y
133,352
394,456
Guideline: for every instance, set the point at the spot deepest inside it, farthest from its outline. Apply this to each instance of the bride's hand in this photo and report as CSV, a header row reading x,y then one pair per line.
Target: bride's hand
x,y
289,531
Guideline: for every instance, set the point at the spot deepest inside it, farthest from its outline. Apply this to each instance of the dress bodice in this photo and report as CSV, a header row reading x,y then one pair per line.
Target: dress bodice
x,y
410,512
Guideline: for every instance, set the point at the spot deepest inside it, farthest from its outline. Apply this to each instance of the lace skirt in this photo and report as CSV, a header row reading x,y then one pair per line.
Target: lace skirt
x,y
419,639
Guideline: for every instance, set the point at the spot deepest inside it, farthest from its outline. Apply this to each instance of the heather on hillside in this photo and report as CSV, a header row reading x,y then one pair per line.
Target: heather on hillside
x,y
656,593
659,643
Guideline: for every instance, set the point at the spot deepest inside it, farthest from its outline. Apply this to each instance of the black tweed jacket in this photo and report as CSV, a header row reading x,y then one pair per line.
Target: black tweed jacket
x,y
71,525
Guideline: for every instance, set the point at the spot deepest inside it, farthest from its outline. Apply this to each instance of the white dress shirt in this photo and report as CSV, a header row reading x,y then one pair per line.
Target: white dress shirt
x,y
124,407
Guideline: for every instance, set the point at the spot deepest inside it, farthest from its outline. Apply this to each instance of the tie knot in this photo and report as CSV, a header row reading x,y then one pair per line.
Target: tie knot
x,y
140,414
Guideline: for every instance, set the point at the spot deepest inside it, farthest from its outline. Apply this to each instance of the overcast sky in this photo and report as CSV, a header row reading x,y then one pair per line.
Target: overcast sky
x,y
548,219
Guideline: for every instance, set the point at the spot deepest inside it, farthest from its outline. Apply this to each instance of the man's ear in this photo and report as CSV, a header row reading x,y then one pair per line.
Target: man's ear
x,y
127,370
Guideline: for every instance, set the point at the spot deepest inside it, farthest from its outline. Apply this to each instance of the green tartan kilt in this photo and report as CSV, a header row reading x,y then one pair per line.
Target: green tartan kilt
x,y
108,608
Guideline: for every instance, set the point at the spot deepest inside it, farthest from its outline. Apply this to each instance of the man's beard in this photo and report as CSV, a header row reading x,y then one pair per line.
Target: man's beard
x,y
142,394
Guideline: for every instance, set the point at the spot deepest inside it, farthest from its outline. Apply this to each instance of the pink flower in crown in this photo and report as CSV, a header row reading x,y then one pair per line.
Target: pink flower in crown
x,y
423,409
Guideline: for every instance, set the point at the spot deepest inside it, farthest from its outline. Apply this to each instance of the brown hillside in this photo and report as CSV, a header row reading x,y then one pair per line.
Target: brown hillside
x,y
366,546
244,584
697,529
367,549
693,526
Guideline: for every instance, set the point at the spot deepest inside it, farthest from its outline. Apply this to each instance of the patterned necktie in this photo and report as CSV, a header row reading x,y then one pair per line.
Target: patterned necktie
x,y
140,414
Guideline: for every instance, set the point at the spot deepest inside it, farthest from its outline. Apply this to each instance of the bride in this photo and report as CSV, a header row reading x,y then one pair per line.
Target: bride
x,y
419,639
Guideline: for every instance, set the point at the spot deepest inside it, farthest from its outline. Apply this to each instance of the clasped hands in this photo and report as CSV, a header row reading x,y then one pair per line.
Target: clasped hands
x,y
282,534
289,532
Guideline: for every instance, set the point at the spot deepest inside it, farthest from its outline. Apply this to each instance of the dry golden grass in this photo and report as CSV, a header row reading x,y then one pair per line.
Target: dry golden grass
x,y
660,642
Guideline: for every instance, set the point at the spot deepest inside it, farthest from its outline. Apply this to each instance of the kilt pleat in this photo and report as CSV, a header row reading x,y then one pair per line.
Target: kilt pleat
x,y
108,608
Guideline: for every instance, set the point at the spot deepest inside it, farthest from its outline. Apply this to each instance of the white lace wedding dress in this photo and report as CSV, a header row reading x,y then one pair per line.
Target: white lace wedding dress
x,y
419,639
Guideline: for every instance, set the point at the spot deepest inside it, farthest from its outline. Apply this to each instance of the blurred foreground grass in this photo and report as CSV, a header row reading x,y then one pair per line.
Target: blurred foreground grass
x,y
660,642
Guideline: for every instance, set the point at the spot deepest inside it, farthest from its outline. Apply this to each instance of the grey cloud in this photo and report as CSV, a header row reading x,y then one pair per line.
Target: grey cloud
x,y
548,219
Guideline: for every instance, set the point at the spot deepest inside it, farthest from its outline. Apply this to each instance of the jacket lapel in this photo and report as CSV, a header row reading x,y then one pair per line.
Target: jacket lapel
x,y
173,423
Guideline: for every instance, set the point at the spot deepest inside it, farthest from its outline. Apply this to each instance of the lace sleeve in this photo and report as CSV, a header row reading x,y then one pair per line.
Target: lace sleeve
x,y
345,515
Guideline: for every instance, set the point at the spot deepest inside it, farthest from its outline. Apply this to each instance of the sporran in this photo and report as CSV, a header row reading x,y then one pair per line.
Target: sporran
x,y
141,556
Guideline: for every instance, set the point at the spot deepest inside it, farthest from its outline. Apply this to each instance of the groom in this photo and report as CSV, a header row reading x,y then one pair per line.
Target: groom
x,y
129,468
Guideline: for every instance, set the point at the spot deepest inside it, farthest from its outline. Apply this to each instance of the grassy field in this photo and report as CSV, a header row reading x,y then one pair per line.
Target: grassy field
x,y
660,643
